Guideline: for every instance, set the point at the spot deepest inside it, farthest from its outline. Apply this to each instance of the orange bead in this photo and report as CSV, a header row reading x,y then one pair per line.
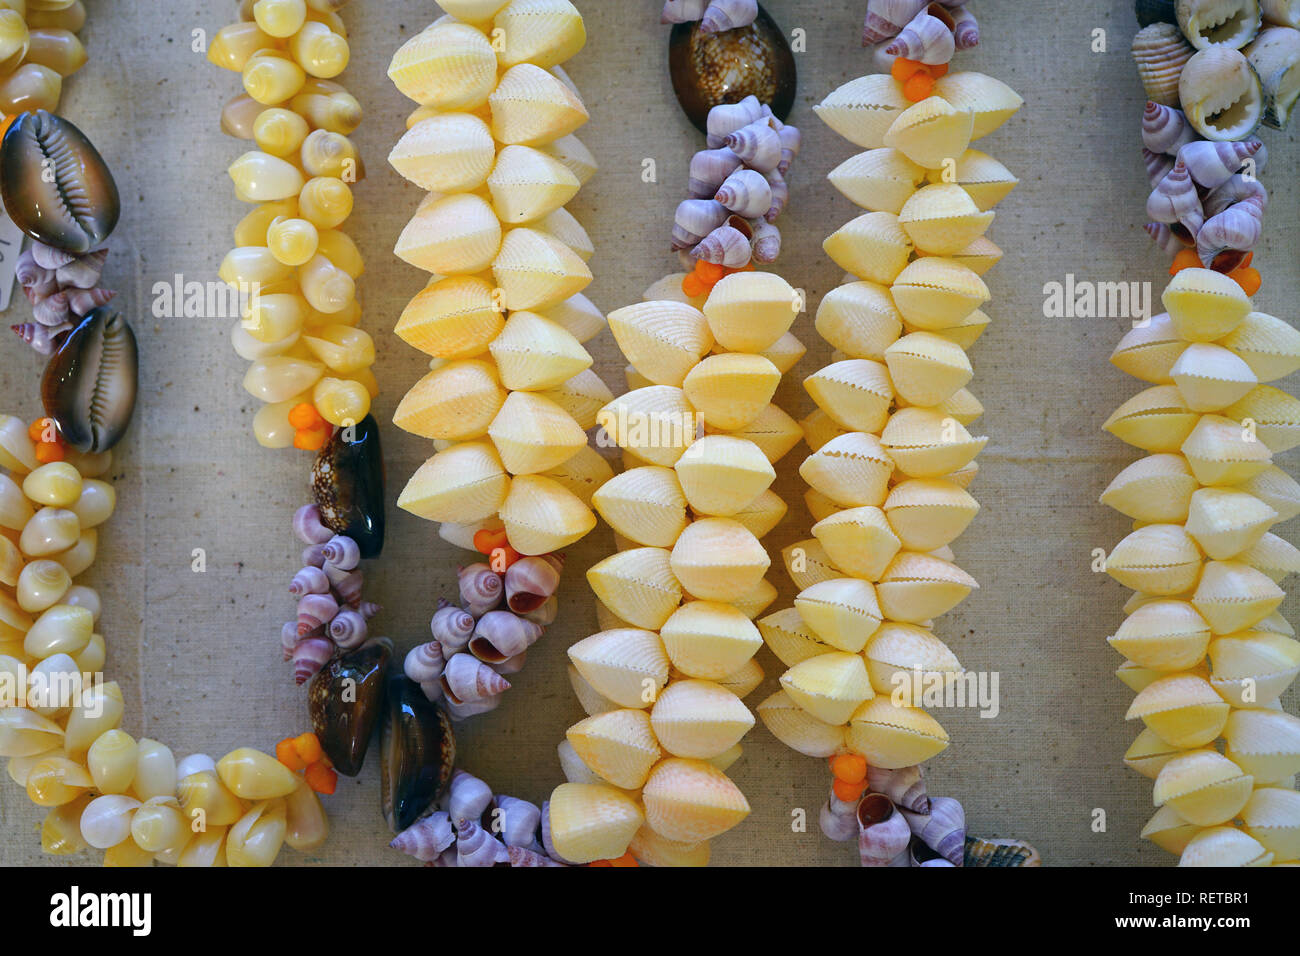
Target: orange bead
x,y
322,778
849,792
308,748
1249,279
486,541
600,863
305,416
48,451
502,557
938,69
692,285
918,86
627,859
904,69
287,755
711,271
44,429
1185,259
851,768
311,439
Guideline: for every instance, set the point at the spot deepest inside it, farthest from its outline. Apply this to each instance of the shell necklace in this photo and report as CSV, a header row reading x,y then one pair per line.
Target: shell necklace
x,y
1207,653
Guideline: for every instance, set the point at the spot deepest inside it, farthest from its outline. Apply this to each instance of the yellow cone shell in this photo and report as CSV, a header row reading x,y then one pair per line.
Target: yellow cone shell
x,y
656,423
591,822
1149,350
1167,830
772,430
1233,596
645,504
892,737
1270,346
698,718
1204,305
1157,559
1148,753
842,612
447,153
452,235
750,311
808,563
1272,816
852,470
936,293
531,107
859,319
858,540
928,513
527,184
756,600
720,475
690,800
582,396
541,515
563,225
625,665
730,390
856,393
874,247
927,369
536,271
1203,787
924,443
578,316
1221,451
637,585
1226,522
1211,377
709,640
448,66
1155,420
455,402
762,514
829,686
1276,415
798,729
942,219
1155,489
990,100
863,110
533,353
1163,635
533,434
1264,743
544,32
718,559
918,587
618,746
583,474
650,849
897,652
663,340
931,131
982,177
1182,708
880,180
1255,665
465,482
1224,846
790,638
451,318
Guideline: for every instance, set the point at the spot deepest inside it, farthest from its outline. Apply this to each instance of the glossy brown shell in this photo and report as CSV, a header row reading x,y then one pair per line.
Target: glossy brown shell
x,y
90,383
345,700
419,752
55,185
347,481
712,68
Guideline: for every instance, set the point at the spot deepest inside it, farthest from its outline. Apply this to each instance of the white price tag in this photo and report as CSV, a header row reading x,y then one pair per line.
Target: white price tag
x,y
11,247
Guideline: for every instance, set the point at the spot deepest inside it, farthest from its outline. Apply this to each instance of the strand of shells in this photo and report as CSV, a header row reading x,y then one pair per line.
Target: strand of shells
x,y
472,826
104,789
1206,651
714,16
39,48
663,681
63,289
737,188
891,455
510,393
299,268
905,28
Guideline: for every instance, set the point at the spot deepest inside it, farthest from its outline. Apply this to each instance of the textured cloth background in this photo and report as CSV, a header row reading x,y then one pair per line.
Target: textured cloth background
x,y
198,654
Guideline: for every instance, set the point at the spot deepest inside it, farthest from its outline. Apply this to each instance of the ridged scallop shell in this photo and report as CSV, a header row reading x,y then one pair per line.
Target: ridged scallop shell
x,y
873,247
570,151
690,800
451,318
931,131
983,178
1160,52
1182,708
790,638
1264,743
536,271
709,640
541,515
1233,596
452,235
455,402
532,434
544,32
732,389
1270,346
820,429
1274,556
448,66
1221,452
532,107
583,474
563,225
979,257
1211,377
750,311
589,822
1224,846
829,686
858,540
663,340
927,369
798,729
856,393
1156,419
1225,522
656,423
534,354
1163,635
924,443
718,559
582,396
936,293
859,319
785,353
593,702
1203,787
1204,305
1275,413
928,513
756,600
761,514
807,563
879,180
1272,816
853,470
1148,753
466,482
863,110
624,665
449,153
898,652
918,587
576,315
842,612
1256,665
1149,350
990,101
638,586
892,737
1277,489
527,184
698,718
942,218
618,746
650,849
1156,559
720,475
644,504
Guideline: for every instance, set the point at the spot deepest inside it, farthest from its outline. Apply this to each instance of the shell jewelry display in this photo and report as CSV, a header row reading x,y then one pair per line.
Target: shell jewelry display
x,y
1206,651
891,455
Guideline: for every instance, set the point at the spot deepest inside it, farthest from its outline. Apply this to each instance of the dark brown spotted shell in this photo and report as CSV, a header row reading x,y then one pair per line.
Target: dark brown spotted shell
x,y
55,185
419,752
712,68
345,700
347,481
89,385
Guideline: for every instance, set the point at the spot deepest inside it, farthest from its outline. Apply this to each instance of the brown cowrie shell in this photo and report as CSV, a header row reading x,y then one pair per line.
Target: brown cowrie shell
x,y
55,185
89,385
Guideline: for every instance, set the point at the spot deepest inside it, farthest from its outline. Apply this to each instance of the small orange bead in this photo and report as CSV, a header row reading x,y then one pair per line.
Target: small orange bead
x,y
44,429
693,286
308,747
486,541
849,792
938,69
627,859
851,768
322,778
600,863
502,557
304,416
48,451
1185,259
311,439
918,87
1249,279
904,69
711,271
287,755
